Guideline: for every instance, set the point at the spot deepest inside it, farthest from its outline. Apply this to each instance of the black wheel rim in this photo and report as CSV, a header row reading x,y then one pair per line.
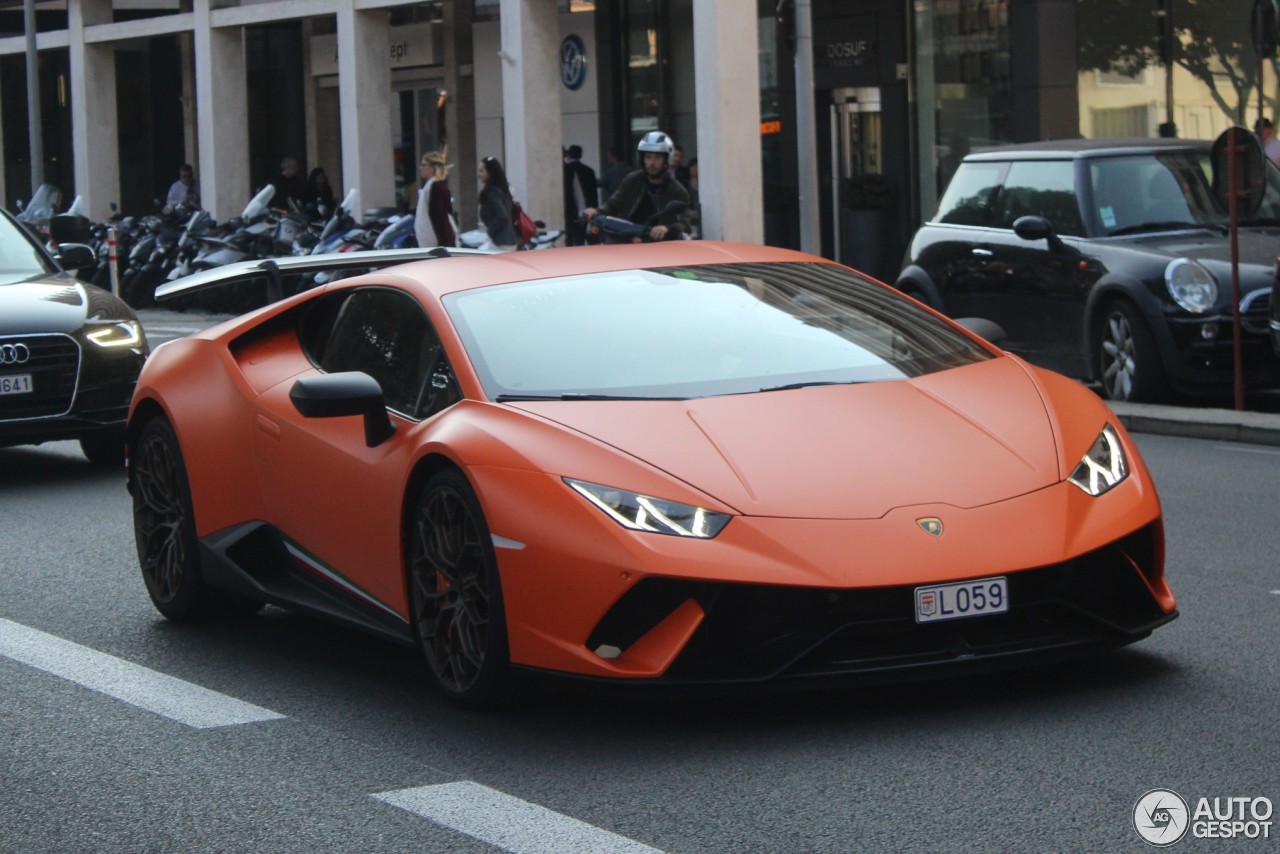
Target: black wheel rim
x,y
450,589
158,516
1117,357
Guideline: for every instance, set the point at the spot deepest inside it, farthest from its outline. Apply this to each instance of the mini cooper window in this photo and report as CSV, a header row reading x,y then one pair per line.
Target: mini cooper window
x,y
698,332
387,335
967,200
1044,188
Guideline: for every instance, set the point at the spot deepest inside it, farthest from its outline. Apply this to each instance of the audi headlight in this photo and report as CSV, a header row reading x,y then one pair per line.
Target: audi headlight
x,y
1103,467
126,333
1191,285
656,515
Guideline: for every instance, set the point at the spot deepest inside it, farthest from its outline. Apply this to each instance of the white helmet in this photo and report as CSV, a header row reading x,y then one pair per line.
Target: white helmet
x,y
657,142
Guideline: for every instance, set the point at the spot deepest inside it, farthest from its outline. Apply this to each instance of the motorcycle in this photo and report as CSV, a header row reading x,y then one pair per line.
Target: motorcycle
x,y
615,229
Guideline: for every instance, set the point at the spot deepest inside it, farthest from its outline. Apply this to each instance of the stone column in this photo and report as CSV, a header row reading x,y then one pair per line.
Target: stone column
x,y
727,75
531,106
364,102
93,111
222,116
460,112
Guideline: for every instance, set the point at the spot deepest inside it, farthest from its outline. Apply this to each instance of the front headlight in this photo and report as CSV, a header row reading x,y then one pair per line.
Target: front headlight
x,y
125,333
1103,467
646,513
1191,285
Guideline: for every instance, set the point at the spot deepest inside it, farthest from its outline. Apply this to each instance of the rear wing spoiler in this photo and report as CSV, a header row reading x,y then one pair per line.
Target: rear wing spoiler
x,y
273,269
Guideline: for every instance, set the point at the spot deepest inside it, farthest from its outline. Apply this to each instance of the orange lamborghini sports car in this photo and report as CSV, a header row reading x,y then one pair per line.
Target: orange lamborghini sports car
x,y
678,464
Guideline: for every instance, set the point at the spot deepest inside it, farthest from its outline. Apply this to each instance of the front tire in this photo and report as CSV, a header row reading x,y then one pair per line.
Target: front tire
x,y
1129,363
165,531
455,594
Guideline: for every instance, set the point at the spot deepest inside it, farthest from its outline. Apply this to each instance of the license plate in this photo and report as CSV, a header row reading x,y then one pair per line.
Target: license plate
x,y
15,384
962,599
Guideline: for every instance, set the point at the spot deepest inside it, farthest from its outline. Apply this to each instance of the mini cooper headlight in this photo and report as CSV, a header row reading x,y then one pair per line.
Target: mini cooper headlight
x,y
126,333
656,515
1191,285
1103,467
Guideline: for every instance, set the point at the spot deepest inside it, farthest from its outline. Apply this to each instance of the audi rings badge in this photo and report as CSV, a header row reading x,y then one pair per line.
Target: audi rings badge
x,y
14,354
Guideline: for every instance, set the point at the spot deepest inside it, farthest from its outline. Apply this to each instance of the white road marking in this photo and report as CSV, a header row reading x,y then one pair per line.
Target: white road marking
x,y
1246,449
125,681
508,822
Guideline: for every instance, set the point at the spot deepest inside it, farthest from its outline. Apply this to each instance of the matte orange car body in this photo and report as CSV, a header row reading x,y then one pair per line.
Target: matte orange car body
x,y
992,444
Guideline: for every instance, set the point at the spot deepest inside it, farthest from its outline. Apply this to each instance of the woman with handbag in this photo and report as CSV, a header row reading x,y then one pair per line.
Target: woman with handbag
x,y
496,207
433,222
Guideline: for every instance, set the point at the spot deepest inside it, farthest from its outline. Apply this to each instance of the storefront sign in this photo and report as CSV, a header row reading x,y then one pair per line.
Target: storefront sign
x,y
850,53
410,45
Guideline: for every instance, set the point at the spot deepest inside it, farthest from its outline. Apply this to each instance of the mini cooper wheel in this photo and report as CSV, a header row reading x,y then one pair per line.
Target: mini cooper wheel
x,y
165,531
455,594
1129,364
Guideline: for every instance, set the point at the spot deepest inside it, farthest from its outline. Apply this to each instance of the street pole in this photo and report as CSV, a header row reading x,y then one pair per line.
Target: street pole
x,y
35,131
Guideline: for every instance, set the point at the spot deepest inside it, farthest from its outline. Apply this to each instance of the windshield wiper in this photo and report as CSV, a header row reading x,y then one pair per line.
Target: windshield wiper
x,y
516,398
791,386
1160,226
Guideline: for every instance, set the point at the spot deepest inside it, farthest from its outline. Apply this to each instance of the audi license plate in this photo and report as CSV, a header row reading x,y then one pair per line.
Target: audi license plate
x,y
962,599
15,384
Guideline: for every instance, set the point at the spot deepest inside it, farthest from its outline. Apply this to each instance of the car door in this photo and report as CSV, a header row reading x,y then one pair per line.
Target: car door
x,y
332,496
952,248
1036,289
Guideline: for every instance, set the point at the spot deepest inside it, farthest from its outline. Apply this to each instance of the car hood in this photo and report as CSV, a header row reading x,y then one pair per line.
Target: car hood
x,y
54,304
965,437
1257,248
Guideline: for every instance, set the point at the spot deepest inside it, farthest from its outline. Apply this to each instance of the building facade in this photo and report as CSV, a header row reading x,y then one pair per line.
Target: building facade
x,y
835,134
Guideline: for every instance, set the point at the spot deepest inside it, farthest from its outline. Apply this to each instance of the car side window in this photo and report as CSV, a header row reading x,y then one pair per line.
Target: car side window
x,y
1040,188
385,333
967,200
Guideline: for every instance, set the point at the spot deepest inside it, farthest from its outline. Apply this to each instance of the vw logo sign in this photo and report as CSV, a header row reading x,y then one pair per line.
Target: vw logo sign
x,y
573,62
14,354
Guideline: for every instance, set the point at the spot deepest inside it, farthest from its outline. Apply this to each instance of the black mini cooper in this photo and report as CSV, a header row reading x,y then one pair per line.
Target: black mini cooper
x,y
1106,260
70,352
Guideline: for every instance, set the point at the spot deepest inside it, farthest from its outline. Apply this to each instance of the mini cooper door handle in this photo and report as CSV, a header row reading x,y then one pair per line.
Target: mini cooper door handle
x,y
985,253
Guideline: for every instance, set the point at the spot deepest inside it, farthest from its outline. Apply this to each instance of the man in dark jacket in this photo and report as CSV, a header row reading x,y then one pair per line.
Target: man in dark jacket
x,y
645,193
580,193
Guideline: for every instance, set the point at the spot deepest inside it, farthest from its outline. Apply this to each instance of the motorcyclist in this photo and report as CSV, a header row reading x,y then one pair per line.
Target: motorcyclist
x,y
644,193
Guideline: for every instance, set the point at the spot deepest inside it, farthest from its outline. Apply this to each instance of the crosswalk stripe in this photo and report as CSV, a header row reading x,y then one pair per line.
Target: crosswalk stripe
x,y
507,822
131,683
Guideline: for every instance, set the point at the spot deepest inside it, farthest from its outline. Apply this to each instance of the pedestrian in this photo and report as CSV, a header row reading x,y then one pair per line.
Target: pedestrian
x,y
611,177
290,188
1267,136
319,193
185,190
580,193
677,169
496,207
433,222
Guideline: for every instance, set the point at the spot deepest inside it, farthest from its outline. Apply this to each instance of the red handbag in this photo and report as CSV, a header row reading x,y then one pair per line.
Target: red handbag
x,y
526,228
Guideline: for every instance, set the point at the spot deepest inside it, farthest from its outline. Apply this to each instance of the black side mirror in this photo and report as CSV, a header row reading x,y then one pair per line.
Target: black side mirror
x,y
73,256
343,394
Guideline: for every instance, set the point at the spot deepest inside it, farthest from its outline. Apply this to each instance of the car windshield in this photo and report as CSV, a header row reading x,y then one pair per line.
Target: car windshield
x,y
19,256
698,331
1152,192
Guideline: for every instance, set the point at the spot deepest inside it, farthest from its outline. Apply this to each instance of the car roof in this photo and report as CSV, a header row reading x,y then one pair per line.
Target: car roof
x,y
1085,148
448,275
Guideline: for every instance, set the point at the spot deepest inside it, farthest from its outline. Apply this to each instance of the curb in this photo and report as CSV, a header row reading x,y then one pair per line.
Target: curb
x,y
1222,425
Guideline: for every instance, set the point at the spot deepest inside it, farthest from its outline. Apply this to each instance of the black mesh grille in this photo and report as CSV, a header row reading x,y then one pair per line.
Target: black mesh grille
x,y
54,365
755,632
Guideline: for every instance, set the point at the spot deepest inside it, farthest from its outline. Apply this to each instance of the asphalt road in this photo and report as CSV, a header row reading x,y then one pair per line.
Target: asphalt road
x,y
356,754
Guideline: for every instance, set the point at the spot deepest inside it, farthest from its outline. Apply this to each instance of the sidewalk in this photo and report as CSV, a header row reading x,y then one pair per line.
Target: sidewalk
x,y
1223,425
